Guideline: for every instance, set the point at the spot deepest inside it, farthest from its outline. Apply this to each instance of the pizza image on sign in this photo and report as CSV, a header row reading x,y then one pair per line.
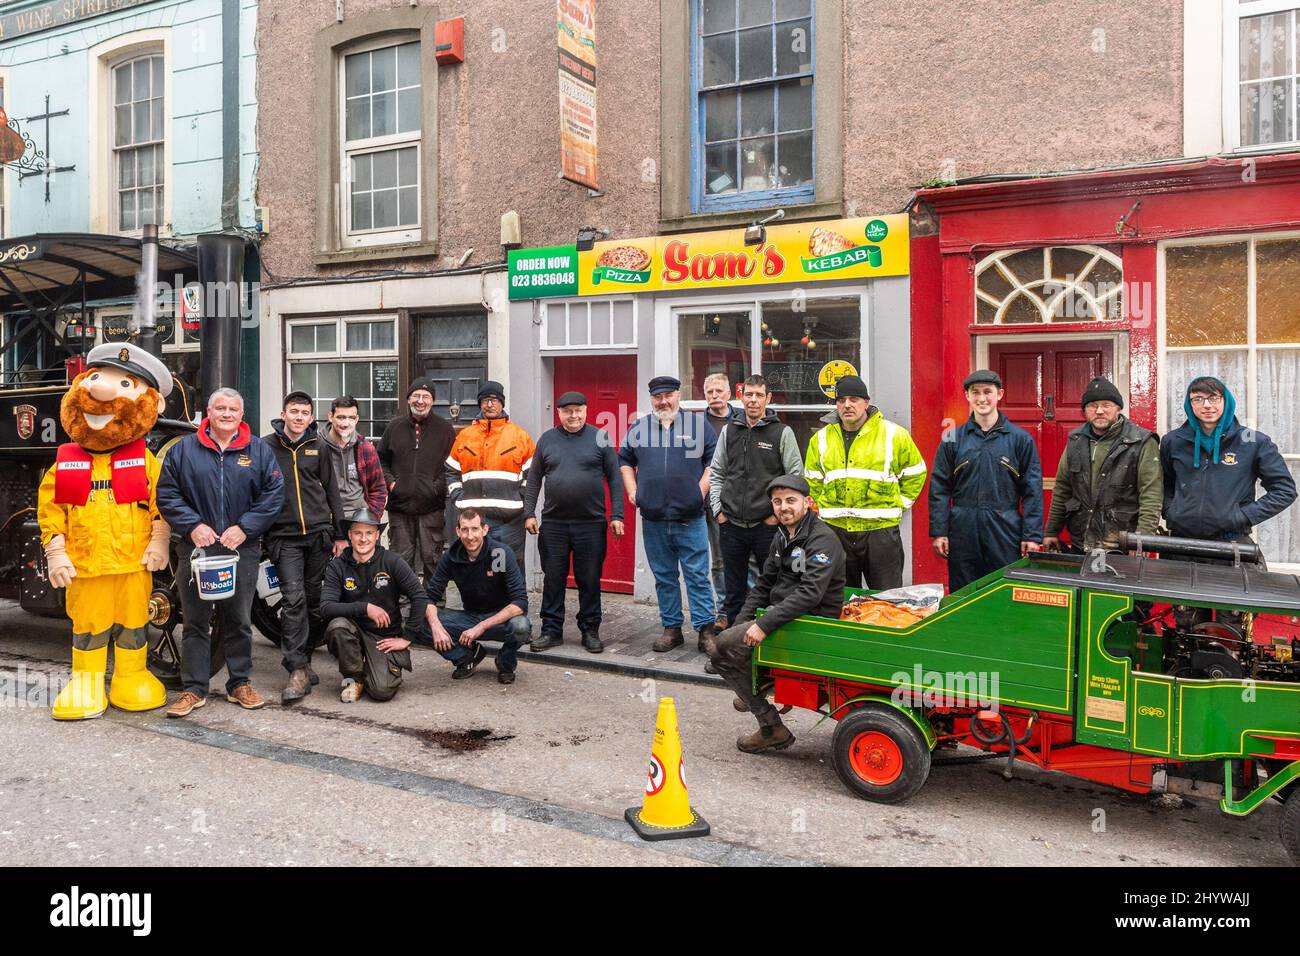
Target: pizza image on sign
x,y
630,264
829,250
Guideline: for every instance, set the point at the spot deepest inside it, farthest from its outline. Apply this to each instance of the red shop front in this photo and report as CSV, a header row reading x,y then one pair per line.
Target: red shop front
x,y
1149,275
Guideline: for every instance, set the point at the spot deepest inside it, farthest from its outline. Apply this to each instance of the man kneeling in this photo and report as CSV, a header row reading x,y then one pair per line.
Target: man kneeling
x,y
360,604
491,587
804,574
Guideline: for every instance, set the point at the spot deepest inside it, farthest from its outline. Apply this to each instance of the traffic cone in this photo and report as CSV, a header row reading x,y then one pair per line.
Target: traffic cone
x,y
666,812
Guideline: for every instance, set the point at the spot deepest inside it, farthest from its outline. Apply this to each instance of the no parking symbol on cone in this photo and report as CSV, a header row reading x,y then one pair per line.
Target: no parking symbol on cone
x,y
666,812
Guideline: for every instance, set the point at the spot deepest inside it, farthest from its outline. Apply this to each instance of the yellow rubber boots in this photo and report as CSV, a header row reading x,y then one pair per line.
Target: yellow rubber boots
x,y
133,687
83,697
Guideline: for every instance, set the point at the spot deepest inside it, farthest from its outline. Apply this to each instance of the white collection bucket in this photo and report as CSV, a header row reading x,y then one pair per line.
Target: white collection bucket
x,y
214,577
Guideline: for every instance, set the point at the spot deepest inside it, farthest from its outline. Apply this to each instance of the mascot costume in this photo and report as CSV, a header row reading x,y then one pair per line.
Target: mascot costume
x,y
100,527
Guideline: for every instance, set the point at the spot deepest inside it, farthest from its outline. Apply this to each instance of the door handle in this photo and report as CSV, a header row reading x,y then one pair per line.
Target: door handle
x,y
1049,407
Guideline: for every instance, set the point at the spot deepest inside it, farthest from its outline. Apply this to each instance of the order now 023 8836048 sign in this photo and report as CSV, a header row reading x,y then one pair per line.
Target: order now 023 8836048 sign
x,y
543,272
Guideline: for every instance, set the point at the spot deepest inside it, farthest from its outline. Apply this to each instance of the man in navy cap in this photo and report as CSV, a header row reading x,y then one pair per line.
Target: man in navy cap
x,y
804,574
575,461
986,492
665,463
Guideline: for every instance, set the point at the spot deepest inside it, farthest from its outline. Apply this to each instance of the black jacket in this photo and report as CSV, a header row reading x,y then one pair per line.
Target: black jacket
x,y
1217,500
201,484
486,584
383,580
1096,515
415,456
311,499
745,461
804,574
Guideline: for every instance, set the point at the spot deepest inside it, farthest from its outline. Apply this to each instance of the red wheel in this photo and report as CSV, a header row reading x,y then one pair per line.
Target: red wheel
x,y
880,754
875,758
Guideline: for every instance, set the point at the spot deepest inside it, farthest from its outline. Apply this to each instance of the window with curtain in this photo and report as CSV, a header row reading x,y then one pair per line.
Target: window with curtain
x,y
138,131
753,81
381,144
1217,322
1267,73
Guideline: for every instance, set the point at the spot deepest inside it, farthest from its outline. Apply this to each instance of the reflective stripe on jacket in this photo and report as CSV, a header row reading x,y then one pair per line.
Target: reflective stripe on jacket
x,y
488,468
881,478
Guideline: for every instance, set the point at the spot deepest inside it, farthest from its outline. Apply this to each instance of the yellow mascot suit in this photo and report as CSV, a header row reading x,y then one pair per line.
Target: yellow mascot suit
x,y
101,530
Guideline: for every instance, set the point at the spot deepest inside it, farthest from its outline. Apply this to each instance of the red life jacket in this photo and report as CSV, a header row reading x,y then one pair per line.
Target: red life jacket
x,y
72,470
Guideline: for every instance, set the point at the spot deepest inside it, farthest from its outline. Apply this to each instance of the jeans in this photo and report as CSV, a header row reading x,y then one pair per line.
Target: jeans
x,y
585,542
511,634
738,546
300,561
668,544
236,624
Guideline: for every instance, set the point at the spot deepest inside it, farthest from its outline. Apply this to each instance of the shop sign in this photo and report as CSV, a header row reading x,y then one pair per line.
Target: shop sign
x,y
844,249
543,272
576,40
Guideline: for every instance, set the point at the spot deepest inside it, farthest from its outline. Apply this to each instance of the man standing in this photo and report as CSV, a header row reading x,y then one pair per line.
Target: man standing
x,y
1108,481
717,395
361,604
1211,464
803,574
865,472
665,464
413,453
755,448
986,494
492,591
488,466
222,477
576,461
358,475
308,532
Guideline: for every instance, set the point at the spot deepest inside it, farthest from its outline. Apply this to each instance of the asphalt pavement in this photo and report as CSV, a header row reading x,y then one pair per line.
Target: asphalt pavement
x,y
540,772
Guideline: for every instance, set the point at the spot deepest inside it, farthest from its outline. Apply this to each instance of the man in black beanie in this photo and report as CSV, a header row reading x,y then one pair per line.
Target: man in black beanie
x,y
413,453
1108,480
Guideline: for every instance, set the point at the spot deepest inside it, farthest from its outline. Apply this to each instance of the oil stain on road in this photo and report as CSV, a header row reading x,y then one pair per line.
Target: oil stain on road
x,y
457,741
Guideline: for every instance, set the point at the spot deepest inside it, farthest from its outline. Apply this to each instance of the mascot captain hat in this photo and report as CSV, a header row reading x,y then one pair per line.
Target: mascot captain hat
x,y
133,359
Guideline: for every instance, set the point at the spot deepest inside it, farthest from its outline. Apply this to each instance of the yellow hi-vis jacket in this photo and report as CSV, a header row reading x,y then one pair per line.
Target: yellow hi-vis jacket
x,y
882,478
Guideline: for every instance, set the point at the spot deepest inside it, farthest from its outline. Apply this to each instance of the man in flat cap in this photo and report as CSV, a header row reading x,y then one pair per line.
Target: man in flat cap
x,y
575,462
487,469
413,453
803,574
1108,480
665,464
986,493
101,528
865,472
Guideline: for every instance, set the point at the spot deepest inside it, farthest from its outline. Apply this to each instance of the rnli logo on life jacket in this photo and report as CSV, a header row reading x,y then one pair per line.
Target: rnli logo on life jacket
x,y
382,579
349,583
129,463
26,415
1229,458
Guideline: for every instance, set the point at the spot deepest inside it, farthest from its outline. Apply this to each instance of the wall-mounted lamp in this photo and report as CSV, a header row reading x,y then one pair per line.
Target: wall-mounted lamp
x,y
756,234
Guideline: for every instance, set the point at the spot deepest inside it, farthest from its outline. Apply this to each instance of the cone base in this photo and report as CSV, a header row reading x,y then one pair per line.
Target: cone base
x,y
648,831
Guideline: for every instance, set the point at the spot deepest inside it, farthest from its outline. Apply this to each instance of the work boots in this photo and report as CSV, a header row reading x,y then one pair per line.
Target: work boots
x,y
83,697
133,687
299,686
768,737
707,635
591,640
671,637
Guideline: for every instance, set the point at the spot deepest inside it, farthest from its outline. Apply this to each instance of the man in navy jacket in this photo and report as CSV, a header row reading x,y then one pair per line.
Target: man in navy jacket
x,y
665,464
1211,464
220,490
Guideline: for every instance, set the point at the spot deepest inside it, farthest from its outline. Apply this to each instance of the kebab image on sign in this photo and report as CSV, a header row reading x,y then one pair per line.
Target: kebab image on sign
x,y
828,251
100,527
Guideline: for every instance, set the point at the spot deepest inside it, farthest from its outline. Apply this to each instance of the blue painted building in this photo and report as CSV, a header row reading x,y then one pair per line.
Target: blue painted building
x,y
142,111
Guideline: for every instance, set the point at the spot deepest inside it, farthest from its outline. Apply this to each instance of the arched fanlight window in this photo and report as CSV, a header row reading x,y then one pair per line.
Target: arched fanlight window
x,y
1051,284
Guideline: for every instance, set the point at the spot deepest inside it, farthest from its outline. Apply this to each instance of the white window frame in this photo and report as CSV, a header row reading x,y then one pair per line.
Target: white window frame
x,y
1047,308
340,354
103,186
1233,12
588,348
1250,417
350,239
668,329
116,152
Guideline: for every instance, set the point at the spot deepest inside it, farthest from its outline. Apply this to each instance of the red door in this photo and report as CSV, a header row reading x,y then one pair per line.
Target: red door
x,y
1043,386
609,382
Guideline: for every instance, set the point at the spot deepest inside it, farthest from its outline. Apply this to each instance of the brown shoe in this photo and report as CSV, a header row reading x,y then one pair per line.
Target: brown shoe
x,y
776,737
185,703
672,637
246,697
740,705
707,635
299,686
722,623
352,691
